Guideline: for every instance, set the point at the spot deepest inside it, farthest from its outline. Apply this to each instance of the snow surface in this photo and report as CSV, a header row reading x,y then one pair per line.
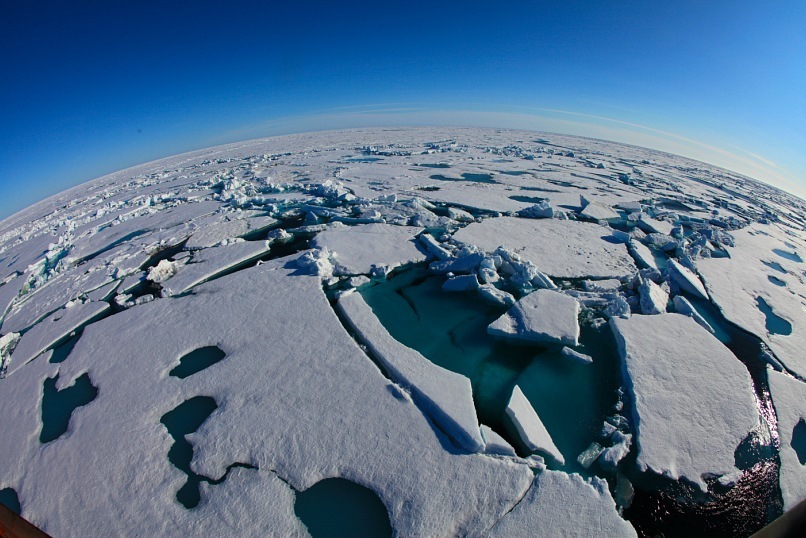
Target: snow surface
x,y
541,316
692,399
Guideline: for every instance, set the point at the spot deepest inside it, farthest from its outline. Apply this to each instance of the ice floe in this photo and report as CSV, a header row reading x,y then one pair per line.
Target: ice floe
x,y
565,249
541,316
789,398
529,426
692,400
555,499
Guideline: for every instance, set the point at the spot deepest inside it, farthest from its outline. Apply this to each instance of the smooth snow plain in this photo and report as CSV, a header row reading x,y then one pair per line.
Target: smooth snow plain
x,y
258,248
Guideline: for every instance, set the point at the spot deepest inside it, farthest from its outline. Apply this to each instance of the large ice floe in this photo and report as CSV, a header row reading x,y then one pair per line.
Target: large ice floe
x,y
196,345
692,400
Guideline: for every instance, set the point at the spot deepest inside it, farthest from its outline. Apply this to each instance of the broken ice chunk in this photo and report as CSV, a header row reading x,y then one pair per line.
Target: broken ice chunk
x,y
164,270
643,256
607,430
575,356
357,248
589,455
618,235
597,211
461,283
619,307
731,479
541,210
492,294
495,444
434,247
54,329
463,264
692,400
541,316
460,215
683,306
653,298
529,426
687,280
611,456
560,504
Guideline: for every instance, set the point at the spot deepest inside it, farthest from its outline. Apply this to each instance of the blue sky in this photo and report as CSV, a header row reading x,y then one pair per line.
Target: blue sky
x,y
90,87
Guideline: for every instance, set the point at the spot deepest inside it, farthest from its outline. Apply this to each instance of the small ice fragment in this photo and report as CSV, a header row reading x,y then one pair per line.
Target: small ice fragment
x,y
607,430
653,298
164,270
540,210
625,492
731,479
589,455
529,426
575,356
619,307
618,235
611,456
357,281
492,294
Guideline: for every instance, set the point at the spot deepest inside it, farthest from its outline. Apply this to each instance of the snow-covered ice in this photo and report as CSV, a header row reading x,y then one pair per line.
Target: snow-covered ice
x,y
692,400
557,498
789,398
541,316
444,395
529,426
356,249
564,249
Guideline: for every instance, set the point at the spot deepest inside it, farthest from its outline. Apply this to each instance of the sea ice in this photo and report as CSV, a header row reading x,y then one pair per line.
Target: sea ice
x,y
789,398
653,297
495,444
556,499
575,356
53,329
355,249
683,306
529,426
444,395
208,263
692,400
541,316
687,280
562,249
